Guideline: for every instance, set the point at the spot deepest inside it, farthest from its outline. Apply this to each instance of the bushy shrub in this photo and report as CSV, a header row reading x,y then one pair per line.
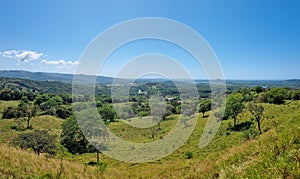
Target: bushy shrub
x,y
188,155
39,141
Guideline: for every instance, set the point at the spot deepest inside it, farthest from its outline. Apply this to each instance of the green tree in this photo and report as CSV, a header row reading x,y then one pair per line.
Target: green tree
x,y
64,112
257,112
57,100
258,89
188,112
10,112
24,110
24,99
234,106
204,106
27,111
277,95
39,141
40,98
107,113
158,109
295,95
73,139
5,95
169,111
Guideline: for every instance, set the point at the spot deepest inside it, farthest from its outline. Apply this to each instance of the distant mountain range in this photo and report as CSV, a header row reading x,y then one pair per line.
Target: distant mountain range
x,y
51,87
103,80
43,76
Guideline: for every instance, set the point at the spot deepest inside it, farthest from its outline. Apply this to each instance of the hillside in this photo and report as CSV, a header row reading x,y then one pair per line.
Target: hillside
x,y
51,87
43,76
232,154
102,80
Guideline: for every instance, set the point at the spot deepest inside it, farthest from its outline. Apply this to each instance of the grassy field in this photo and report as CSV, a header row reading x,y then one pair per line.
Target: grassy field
x,y
232,154
5,104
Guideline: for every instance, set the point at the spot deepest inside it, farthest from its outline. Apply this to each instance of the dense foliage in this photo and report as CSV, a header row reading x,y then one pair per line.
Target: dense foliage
x,y
73,139
38,140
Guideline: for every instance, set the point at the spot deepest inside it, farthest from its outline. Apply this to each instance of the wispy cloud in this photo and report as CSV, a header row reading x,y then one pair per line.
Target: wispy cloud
x,y
60,62
22,55
28,56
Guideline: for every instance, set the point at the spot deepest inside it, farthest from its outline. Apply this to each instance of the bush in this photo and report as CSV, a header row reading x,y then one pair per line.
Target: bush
x,y
250,133
295,95
188,155
277,95
39,141
63,112
143,113
10,112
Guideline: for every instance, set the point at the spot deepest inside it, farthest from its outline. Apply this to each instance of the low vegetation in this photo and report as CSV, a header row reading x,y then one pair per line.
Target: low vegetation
x,y
259,136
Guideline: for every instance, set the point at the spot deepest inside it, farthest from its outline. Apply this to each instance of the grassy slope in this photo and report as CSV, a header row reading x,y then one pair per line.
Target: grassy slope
x,y
5,104
274,154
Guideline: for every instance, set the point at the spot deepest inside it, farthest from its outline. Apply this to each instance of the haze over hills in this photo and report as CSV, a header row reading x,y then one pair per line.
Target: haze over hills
x,y
104,80
44,76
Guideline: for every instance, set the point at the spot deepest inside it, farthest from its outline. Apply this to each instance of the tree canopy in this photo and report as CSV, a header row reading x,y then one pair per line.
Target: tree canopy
x,y
38,140
234,106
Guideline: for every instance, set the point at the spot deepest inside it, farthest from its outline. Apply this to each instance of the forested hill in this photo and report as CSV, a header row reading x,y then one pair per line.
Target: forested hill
x,y
291,83
51,87
43,76
52,82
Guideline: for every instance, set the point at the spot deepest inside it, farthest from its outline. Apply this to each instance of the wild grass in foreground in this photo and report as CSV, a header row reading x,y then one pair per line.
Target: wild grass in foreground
x,y
232,154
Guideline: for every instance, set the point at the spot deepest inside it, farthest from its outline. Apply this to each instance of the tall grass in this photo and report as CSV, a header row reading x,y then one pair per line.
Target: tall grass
x,y
273,154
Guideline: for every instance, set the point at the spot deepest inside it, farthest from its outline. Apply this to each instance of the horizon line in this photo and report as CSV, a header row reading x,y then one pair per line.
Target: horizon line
x,y
155,78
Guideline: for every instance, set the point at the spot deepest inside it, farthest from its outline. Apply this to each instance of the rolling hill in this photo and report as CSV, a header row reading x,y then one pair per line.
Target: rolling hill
x,y
232,154
103,80
43,76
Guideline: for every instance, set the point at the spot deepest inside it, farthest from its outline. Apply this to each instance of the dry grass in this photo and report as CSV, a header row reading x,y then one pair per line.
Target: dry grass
x,y
228,155
17,163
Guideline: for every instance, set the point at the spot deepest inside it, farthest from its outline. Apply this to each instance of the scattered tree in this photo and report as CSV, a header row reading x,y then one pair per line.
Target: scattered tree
x,y
40,98
24,110
73,139
63,112
158,109
234,106
257,112
277,95
258,89
204,106
27,111
107,113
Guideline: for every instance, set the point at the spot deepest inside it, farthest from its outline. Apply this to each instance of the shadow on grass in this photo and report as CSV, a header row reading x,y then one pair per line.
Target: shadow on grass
x,y
242,126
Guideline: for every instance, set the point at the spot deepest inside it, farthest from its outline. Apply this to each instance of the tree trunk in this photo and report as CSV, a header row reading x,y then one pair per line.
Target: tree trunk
x,y
28,123
258,125
234,122
153,134
98,160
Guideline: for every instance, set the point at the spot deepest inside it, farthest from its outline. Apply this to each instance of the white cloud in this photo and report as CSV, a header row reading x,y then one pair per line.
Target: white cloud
x,y
60,62
22,55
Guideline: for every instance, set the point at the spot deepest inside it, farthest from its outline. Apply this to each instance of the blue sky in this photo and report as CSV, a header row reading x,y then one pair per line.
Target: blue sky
x,y
252,39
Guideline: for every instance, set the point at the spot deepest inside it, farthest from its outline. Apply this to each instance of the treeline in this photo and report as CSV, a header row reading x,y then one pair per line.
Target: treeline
x,y
251,99
50,87
273,96
33,104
